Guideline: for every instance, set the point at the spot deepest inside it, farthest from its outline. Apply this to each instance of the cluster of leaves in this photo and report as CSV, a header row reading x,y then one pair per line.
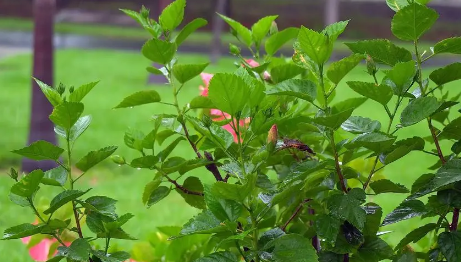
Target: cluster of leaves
x,y
67,211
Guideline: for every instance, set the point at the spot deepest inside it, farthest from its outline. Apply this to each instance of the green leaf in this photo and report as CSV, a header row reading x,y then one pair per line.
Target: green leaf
x,y
223,209
451,131
419,109
380,93
446,74
397,5
406,210
103,205
55,177
228,92
189,29
407,256
446,175
450,45
203,223
150,25
50,93
317,46
346,207
327,227
386,186
95,157
327,256
172,15
334,121
162,156
293,248
230,191
116,234
184,73
140,98
351,103
20,231
338,70
113,257
159,51
277,40
40,150
412,21
66,114
415,235
145,162
300,88
215,133
261,28
360,125
450,244
173,164
201,102
373,222
335,29
374,249
149,188
377,142
402,75
79,250
134,139
154,70
280,73
193,164
222,256
193,184
382,51
81,92
77,129
401,149
158,194
28,184
244,34
64,198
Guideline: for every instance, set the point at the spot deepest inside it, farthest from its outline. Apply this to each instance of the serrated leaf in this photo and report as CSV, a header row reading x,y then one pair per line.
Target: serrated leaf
x,y
158,194
415,235
64,198
261,28
450,244
189,29
20,231
338,70
397,5
412,21
373,221
317,46
50,93
401,149
244,34
172,16
203,223
40,150
81,92
201,102
449,45
303,89
374,249
79,250
277,40
66,114
294,248
215,133
222,256
402,75
419,109
382,51
184,73
140,98
280,73
28,184
377,142
406,210
360,125
145,162
351,103
333,121
223,209
446,74
228,92
103,205
193,184
327,227
95,157
451,131
113,257
163,155
159,51
346,207
150,25
55,177
386,186
379,93
77,129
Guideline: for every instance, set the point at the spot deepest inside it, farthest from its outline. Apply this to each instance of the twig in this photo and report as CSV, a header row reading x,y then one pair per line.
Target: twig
x,y
183,189
454,222
436,141
293,216
212,167
192,144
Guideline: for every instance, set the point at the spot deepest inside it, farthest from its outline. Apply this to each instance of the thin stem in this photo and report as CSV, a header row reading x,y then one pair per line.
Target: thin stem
x,y
454,222
240,250
178,186
432,90
293,216
43,221
342,181
255,236
436,141
107,245
372,172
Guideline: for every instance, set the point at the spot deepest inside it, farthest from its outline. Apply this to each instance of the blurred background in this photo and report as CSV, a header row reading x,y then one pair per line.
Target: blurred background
x,y
79,41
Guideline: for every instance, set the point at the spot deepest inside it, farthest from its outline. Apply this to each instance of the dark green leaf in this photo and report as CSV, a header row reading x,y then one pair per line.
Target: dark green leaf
x,y
55,177
28,184
346,207
184,73
303,89
377,142
79,250
116,234
381,94
223,209
203,223
113,257
230,191
40,150
193,184
360,125
172,15
338,70
261,28
450,244
351,103
277,40
401,149
201,102
163,155
382,51
193,164
159,51
158,194
50,93
333,121
173,164
144,162
63,198
327,227
20,231
415,235
222,256
81,92
280,73
450,45
446,175
406,210
293,248
228,92
418,110
327,256
149,188
452,130
189,29
387,186
317,46
412,21
373,250
95,157
373,222
407,256
446,74
456,148
402,75
244,34
102,204
66,114
140,98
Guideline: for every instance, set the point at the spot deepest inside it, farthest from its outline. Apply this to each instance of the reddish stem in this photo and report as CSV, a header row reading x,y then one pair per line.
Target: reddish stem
x,y
454,222
293,216
183,189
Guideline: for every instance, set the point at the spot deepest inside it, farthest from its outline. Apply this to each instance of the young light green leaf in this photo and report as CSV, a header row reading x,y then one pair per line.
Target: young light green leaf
x,y
293,247
446,74
418,110
402,75
327,227
284,72
215,133
449,45
158,194
382,51
159,51
140,98
386,186
406,210
347,207
244,34
317,46
66,114
77,129
79,250
338,70
360,125
335,29
223,209
150,25
172,15
379,93
50,93
189,29
134,139
94,157
149,188
193,184
377,142
81,92
333,121
201,102
184,73
23,230
450,243
415,235
412,21
64,198
261,28
55,177
300,88
397,5
228,92
277,40
222,256
203,223
154,70
40,150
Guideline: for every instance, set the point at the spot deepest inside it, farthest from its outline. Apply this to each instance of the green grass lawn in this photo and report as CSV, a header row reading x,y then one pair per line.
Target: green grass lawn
x,y
123,73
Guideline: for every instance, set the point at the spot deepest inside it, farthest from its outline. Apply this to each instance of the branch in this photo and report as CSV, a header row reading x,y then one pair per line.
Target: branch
x,y
183,189
212,167
194,147
436,141
293,216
